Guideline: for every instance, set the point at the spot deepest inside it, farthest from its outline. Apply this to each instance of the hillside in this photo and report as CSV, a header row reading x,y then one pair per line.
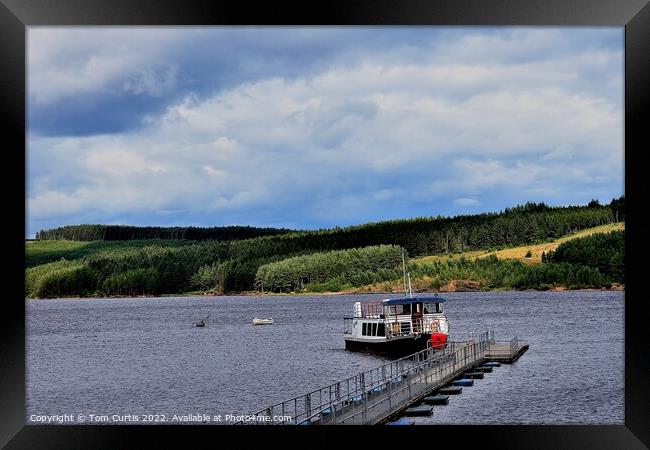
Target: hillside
x,y
592,258
58,268
519,253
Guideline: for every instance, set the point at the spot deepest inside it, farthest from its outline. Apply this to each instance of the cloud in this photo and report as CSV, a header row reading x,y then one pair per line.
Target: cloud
x,y
466,202
399,128
73,61
152,81
562,152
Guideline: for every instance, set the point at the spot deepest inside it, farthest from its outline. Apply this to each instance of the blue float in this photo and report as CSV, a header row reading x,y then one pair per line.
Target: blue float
x,y
402,421
492,364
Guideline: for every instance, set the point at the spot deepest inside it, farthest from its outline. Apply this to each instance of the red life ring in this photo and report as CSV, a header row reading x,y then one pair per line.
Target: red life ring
x,y
438,340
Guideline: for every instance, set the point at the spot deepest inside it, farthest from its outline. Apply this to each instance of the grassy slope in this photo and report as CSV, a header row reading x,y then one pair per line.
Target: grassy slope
x,y
520,252
43,252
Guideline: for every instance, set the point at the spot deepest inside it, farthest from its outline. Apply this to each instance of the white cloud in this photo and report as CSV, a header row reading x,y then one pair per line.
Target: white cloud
x,y
120,162
82,61
151,81
562,152
466,202
335,139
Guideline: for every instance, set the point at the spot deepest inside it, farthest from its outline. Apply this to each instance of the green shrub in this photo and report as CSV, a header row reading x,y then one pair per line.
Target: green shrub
x,y
604,251
133,282
206,278
68,281
332,285
33,275
356,267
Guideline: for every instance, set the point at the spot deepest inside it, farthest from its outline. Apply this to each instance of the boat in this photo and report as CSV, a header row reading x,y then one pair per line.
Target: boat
x,y
201,323
397,326
268,321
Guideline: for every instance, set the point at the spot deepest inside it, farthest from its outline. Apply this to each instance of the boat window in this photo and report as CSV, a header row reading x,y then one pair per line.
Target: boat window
x,y
429,308
401,309
381,330
374,329
363,329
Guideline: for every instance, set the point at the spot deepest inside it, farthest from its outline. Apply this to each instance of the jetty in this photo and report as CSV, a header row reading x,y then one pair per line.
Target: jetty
x,y
391,390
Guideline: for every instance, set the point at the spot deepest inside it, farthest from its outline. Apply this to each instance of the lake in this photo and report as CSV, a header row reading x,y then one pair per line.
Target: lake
x,y
143,356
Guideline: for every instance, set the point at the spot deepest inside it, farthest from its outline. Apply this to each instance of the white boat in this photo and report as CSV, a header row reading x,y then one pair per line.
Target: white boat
x,y
257,321
397,326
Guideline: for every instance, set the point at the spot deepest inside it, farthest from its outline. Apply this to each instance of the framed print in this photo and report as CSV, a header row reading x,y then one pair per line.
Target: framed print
x,y
354,215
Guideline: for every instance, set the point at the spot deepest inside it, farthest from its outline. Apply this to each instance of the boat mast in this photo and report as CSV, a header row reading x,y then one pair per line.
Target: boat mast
x,y
404,271
410,291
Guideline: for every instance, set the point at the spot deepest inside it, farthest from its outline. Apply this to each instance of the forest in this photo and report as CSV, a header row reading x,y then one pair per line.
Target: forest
x,y
125,233
591,262
171,264
604,252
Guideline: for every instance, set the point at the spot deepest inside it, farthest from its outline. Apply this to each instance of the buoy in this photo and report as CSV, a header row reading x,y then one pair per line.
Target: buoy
x,y
438,340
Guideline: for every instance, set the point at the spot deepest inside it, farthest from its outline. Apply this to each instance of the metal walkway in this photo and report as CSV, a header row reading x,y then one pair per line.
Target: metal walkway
x,y
375,395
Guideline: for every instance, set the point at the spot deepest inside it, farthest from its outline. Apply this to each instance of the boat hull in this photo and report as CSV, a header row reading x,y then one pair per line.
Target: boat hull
x,y
391,347
262,321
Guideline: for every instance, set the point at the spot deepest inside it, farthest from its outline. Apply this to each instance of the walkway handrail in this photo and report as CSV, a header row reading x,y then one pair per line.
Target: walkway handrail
x,y
362,388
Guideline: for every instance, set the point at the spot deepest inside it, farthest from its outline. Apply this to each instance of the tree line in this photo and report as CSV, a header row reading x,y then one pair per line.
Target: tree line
x,y
127,232
494,273
357,266
152,268
603,251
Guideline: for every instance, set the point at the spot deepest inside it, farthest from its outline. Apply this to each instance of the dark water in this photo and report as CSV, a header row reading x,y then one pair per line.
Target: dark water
x,y
143,356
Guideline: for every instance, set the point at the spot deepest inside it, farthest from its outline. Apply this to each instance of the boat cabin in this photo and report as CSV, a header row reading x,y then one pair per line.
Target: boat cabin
x,y
395,323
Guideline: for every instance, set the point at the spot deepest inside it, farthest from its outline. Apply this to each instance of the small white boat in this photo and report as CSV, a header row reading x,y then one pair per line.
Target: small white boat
x,y
257,321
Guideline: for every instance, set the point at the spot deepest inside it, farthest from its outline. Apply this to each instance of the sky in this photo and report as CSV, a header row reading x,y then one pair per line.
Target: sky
x,y
316,127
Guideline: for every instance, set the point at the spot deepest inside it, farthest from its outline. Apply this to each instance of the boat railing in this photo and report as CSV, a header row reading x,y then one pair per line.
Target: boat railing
x,y
372,309
505,349
485,336
373,389
403,327
347,325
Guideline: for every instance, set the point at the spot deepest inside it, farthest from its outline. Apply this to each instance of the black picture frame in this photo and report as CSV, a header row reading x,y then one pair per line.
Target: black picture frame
x,y
16,15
